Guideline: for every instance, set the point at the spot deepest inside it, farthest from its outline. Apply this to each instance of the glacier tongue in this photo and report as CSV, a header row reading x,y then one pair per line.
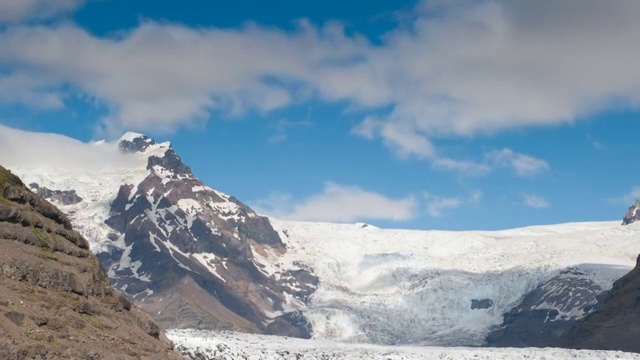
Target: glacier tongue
x,y
448,288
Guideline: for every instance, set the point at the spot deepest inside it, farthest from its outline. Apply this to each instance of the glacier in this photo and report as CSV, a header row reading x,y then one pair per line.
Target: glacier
x,y
388,286
205,345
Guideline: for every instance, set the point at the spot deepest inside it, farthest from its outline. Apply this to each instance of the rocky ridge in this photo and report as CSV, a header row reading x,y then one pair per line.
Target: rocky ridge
x,y
549,311
616,323
632,215
56,301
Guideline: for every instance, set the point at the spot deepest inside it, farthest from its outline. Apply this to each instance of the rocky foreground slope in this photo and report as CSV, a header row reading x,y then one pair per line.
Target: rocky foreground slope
x,y
56,302
616,324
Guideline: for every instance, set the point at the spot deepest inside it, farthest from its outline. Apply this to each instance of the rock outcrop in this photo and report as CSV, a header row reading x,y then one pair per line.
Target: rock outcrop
x,y
632,215
549,311
616,323
56,302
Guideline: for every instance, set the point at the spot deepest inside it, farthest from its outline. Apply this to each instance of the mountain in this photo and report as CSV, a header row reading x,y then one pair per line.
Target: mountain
x,y
632,215
195,257
616,323
55,299
188,254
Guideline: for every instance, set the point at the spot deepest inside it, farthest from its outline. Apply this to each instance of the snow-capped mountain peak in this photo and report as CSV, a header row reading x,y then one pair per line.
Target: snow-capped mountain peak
x,y
162,234
633,214
131,135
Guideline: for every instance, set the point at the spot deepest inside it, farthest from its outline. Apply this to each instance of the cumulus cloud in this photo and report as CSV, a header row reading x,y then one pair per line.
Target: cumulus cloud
x,y
161,76
536,201
475,68
437,205
13,11
338,203
31,150
521,164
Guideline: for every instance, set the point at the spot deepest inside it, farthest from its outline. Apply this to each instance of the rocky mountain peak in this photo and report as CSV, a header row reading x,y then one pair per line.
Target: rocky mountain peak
x,y
132,142
633,214
191,255
53,291
170,235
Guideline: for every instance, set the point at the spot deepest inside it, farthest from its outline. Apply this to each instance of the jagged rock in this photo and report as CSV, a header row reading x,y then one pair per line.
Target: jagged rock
x,y
293,324
55,292
632,215
15,317
616,323
64,197
175,228
548,311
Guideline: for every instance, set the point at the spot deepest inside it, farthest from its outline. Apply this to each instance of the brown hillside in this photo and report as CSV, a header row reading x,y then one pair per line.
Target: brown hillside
x,y
56,302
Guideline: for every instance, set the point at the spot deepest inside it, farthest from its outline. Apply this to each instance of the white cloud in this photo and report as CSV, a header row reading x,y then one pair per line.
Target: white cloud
x,y
477,67
338,203
535,201
521,164
436,205
461,166
25,149
281,127
12,11
627,199
160,76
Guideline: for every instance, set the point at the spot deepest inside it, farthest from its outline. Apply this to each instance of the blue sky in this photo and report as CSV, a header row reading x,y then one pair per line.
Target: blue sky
x,y
415,114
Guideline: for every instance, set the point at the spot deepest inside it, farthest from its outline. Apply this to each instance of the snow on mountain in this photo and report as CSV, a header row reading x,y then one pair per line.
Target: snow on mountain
x,y
453,288
189,254
204,345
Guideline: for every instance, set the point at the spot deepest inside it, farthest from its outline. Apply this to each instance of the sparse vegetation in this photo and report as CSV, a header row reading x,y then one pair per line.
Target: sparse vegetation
x,y
49,255
93,321
4,183
42,236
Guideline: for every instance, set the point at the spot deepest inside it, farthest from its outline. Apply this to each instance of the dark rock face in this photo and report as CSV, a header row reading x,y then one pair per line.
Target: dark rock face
x,y
615,325
172,233
137,144
481,304
547,312
65,197
293,324
53,291
632,215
